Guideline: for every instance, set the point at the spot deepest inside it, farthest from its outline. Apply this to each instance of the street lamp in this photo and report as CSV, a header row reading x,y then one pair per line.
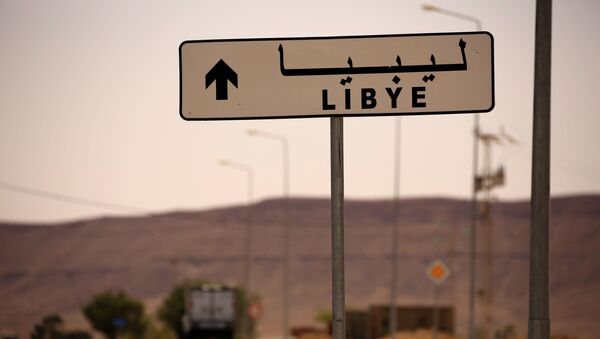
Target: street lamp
x,y
248,231
286,228
473,234
432,8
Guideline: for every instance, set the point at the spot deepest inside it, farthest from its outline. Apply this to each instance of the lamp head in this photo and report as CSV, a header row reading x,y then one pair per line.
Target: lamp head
x,y
429,8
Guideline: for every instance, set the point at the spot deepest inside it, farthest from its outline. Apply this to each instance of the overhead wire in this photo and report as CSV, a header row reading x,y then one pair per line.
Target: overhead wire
x,y
69,198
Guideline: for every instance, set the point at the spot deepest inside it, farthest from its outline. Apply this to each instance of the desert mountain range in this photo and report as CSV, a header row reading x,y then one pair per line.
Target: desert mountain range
x,y
58,267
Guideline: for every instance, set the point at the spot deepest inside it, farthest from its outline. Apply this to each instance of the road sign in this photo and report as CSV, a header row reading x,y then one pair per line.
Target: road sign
x,y
255,310
337,76
437,272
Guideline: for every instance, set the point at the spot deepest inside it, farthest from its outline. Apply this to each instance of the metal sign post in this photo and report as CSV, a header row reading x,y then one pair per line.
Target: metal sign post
x,y
438,272
436,311
338,319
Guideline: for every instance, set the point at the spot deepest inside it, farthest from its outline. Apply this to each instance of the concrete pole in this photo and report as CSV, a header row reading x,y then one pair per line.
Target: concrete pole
x,y
285,279
247,237
539,257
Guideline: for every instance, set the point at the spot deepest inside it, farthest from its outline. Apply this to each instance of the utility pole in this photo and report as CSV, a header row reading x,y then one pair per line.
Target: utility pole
x,y
486,182
539,254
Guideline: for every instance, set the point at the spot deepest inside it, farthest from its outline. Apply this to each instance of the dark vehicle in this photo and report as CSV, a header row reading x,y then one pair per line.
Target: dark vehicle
x,y
210,312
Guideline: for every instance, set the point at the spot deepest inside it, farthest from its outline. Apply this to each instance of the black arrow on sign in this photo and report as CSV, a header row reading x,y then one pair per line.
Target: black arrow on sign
x,y
221,73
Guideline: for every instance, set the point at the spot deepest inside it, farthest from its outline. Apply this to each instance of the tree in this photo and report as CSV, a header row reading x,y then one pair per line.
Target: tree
x,y
173,308
49,328
242,302
113,313
156,329
506,332
324,317
76,335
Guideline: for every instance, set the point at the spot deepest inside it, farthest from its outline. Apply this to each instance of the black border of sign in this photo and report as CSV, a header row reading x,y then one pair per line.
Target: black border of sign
x,y
338,115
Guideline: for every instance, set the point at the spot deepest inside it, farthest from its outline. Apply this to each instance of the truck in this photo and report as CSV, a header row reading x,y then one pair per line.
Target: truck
x,y
209,312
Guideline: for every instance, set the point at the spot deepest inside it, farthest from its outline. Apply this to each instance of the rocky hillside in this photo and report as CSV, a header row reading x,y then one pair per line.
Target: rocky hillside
x,y
56,268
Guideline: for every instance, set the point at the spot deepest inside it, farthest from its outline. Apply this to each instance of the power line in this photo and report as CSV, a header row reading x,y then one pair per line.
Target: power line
x,y
68,198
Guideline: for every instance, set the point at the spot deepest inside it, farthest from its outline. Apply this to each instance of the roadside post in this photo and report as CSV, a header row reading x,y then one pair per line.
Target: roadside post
x,y
438,272
337,77
539,251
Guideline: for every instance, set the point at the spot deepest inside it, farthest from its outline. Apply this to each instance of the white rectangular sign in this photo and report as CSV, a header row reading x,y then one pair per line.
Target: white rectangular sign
x,y
337,76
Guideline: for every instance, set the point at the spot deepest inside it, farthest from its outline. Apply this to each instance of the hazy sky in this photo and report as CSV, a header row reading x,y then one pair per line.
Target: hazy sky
x,y
89,106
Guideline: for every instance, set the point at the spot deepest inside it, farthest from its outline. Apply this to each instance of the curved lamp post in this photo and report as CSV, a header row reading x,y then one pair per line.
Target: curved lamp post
x,y
286,227
248,231
474,213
